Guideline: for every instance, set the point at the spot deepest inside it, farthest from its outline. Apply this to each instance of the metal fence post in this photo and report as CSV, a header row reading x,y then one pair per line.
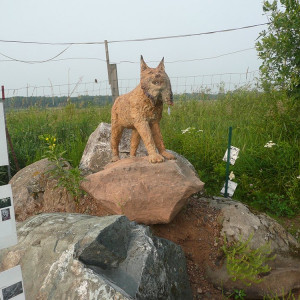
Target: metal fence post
x,y
228,162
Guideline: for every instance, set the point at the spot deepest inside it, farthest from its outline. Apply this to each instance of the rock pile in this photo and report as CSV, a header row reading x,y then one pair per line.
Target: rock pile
x,y
73,256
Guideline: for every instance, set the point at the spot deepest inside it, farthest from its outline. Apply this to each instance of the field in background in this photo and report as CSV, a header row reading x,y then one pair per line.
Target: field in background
x,y
267,177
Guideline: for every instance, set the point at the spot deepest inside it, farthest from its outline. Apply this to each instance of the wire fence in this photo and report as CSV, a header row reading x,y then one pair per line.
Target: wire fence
x,y
209,83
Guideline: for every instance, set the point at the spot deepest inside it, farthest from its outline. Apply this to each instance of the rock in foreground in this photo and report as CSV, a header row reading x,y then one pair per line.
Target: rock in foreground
x,y
72,256
238,222
144,192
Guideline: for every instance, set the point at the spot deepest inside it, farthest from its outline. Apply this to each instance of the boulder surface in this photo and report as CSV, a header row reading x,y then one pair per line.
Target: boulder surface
x,y
34,191
97,153
144,192
73,256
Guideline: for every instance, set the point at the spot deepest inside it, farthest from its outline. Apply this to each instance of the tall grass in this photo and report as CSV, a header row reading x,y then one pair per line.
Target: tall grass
x,y
70,125
266,177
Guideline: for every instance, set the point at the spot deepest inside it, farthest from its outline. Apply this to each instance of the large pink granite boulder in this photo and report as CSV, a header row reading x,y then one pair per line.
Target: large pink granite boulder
x,y
144,192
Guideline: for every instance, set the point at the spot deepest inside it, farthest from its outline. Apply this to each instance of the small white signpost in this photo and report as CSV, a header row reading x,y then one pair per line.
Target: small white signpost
x,y
11,282
234,153
230,157
231,188
8,233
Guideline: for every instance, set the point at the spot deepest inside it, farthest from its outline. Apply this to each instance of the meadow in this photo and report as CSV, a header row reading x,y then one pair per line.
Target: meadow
x,y
266,128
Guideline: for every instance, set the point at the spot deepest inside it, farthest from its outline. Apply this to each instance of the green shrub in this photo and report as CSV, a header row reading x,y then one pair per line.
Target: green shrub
x,y
68,178
244,263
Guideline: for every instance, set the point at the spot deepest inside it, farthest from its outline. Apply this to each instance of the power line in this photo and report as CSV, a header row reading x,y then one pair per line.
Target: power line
x,y
36,61
128,61
187,35
136,40
189,60
60,59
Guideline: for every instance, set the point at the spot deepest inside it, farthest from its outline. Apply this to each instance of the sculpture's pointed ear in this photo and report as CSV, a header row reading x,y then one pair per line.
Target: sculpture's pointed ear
x,y
143,64
162,64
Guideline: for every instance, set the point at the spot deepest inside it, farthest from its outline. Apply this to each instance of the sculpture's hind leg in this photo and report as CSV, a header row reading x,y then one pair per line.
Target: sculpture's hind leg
x,y
116,134
134,142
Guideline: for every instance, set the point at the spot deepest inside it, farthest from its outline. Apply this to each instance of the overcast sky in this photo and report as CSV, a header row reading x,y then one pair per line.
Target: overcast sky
x,y
91,21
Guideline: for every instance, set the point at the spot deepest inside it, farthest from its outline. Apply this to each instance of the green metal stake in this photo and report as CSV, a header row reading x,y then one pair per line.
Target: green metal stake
x,y
228,162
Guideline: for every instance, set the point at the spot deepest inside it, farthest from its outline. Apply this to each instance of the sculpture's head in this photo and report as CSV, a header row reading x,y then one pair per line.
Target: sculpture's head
x,y
156,83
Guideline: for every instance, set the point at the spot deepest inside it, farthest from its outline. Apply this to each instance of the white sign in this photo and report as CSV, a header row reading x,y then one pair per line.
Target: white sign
x,y
11,284
231,188
3,144
234,152
169,110
8,232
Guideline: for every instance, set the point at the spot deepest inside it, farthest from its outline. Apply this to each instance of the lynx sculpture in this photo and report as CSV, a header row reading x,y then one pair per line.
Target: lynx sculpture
x,y
141,110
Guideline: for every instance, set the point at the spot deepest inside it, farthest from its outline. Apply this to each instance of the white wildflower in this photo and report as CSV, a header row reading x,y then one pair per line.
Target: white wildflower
x,y
188,129
269,144
185,130
298,177
231,175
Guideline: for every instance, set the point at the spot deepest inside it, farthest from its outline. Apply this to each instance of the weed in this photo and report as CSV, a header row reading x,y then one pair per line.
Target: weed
x,y
244,263
289,296
67,178
239,294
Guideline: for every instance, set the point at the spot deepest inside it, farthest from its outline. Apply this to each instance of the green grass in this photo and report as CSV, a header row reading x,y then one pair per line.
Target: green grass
x,y
266,177
70,125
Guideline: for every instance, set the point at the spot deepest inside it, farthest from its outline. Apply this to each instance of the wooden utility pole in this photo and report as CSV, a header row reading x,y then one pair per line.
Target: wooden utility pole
x,y
112,75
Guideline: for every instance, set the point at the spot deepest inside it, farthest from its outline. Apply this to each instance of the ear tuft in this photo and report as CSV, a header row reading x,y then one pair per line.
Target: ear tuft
x,y
143,64
161,64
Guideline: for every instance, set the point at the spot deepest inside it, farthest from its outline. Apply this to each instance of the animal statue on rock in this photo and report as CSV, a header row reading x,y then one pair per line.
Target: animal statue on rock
x,y
141,110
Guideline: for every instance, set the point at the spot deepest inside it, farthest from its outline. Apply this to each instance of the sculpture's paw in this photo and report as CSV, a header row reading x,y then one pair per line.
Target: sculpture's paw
x,y
168,155
115,158
155,158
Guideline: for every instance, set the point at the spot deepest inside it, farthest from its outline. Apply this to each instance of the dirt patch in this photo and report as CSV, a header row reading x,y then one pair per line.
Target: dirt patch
x,y
196,230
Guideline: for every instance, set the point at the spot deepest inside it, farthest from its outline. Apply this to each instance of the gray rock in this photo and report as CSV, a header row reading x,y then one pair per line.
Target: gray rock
x,y
238,222
72,256
34,191
97,153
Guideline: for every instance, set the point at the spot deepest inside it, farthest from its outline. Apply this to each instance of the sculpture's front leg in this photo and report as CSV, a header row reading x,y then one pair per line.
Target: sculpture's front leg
x,y
144,130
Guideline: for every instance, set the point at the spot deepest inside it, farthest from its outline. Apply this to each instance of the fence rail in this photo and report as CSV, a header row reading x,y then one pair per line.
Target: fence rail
x,y
210,83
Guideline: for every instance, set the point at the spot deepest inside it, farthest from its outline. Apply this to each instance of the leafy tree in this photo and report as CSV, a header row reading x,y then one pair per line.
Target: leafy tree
x,y
279,46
